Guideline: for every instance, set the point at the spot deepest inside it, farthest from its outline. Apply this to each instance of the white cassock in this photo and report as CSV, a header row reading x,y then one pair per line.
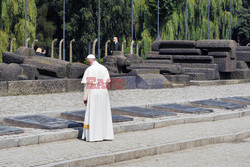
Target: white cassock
x,y
98,120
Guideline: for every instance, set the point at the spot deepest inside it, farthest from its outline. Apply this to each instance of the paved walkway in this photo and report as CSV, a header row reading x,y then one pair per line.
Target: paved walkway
x,y
41,154
12,105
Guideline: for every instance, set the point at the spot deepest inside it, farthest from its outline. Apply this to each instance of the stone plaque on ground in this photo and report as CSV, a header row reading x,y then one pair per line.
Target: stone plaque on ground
x,y
219,104
41,122
141,112
183,108
238,100
80,115
6,130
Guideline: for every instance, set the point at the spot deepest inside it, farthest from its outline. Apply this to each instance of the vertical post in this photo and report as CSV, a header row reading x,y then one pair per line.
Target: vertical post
x,y
25,33
137,48
60,49
106,47
123,46
64,30
52,48
231,19
158,22
131,47
70,50
93,48
132,24
186,20
27,42
11,44
99,41
208,7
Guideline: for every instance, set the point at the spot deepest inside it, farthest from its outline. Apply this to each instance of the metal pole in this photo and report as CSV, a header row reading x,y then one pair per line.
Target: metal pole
x,y
64,30
208,19
25,23
186,20
230,19
99,41
132,22
158,22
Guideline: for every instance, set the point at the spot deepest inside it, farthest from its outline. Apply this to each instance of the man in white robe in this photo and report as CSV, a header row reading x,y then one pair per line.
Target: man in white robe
x,y
98,120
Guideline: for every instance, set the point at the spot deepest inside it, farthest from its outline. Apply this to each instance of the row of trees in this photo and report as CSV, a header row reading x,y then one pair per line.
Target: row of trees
x,y
45,20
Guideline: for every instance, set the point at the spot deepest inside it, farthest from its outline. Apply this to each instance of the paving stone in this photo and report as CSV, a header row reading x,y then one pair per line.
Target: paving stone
x,y
180,51
238,100
41,122
141,112
6,130
80,115
183,108
220,104
192,59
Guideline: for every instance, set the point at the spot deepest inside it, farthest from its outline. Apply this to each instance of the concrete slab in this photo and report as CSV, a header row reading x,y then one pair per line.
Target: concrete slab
x,y
182,108
6,130
141,112
80,115
218,104
40,122
241,100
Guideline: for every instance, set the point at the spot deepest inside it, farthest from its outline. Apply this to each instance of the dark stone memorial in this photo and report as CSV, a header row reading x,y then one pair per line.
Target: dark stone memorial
x,y
80,115
141,112
238,100
5,130
183,108
219,104
41,122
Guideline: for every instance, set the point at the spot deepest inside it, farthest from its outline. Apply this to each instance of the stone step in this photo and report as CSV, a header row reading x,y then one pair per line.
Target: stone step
x,y
6,130
210,73
80,115
243,48
243,56
164,68
141,112
179,78
180,51
192,59
198,65
197,76
155,61
240,74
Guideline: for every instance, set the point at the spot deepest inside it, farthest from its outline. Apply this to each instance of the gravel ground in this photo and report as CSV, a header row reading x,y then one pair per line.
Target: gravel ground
x,y
12,105
35,155
222,155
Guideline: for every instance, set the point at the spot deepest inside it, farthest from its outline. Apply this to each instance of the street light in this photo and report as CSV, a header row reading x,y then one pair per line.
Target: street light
x,y
25,23
158,22
99,40
64,30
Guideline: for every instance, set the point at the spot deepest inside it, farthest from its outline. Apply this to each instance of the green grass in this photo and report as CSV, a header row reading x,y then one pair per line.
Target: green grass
x,y
1,60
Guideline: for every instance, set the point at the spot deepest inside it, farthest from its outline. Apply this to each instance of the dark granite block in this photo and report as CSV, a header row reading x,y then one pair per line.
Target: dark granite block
x,y
180,51
157,56
192,59
164,68
198,76
177,44
241,65
183,108
210,73
198,65
152,81
219,104
225,64
240,74
41,122
6,130
80,115
74,85
157,61
122,82
141,112
219,54
9,57
243,56
184,79
155,46
243,48
237,100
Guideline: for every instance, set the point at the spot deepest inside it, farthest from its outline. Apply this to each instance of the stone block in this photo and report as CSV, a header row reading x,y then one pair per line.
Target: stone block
x,y
80,115
174,107
9,57
76,70
241,65
152,81
237,100
8,143
218,104
192,59
166,148
141,112
30,71
198,65
243,56
5,130
180,51
41,122
134,58
179,78
197,76
36,87
225,64
155,55
210,73
49,66
158,61
143,152
226,116
133,127
243,48
122,82
240,74
145,71
28,140
25,51
74,85
10,72
177,44
3,88
169,122
190,143
219,54
57,136
155,46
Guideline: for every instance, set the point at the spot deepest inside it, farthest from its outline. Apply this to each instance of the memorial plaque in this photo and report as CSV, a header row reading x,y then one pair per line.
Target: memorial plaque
x,y
238,100
80,115
183,108
141,112
219,104
41,122
6,130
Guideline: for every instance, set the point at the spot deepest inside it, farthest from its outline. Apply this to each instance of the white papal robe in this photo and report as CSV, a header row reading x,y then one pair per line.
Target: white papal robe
x,y
98,120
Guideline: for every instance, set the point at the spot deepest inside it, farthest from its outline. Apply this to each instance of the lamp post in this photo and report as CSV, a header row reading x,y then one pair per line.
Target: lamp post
x,y
208,19
64,30
186,21
25,31
99,41
132,23
230,19
158,22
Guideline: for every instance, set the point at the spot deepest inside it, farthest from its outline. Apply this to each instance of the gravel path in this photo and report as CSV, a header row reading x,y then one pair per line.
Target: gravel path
x,y
11,105
40,154
223,155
